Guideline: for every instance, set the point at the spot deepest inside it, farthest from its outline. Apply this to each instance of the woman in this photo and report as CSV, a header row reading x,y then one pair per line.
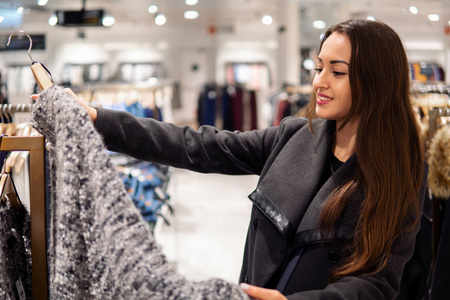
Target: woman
x,y
341,193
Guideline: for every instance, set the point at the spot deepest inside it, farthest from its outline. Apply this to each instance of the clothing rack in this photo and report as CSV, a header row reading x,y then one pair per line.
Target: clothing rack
x,y
433,115
10,108
35,145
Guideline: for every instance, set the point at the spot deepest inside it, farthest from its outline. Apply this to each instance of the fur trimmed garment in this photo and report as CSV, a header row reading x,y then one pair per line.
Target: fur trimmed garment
x,y
439,163
100,247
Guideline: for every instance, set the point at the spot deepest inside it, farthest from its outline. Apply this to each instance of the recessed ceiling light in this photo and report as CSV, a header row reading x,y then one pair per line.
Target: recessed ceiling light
x,y
267,20
371,18
160,20
152,9
191,2
53,20
413,10
108,21
319,24
433,17
191,14
42,2
308,64
1,19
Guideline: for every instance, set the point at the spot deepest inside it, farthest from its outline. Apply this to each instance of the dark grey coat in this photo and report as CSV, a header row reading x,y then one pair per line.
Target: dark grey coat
x,y
290,161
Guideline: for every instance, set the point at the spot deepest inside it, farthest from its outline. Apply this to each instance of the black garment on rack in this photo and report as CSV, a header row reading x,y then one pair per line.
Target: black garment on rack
x,y
15,253
440,288
415,275
206,114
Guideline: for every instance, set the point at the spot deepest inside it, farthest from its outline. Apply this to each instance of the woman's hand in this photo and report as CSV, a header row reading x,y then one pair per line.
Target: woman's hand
x,y
261,293
92,112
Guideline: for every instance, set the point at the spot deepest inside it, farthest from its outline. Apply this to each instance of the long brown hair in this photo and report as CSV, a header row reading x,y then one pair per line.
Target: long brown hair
x,y
388,147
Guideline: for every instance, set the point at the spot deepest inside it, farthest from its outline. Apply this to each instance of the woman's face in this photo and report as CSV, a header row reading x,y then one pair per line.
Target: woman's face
x,y
331,82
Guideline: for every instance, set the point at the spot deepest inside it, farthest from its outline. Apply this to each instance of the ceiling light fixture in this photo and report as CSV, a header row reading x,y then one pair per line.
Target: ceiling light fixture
x,y
20,10
319,24
413,10
42,2
2,18
191,14
53,20
191,2
108,21
433,17
160,19
153,9
371,18
308,64
267,20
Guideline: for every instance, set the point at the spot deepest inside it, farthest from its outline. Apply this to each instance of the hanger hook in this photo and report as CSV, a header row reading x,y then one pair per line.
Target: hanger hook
x,y
29,37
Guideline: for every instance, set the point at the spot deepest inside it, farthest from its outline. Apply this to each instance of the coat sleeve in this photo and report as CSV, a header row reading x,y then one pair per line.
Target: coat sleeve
x,y
204,150
384,285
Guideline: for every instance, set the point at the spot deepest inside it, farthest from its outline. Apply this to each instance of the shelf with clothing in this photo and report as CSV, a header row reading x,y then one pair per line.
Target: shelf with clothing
x,y
151,98
290,100
146,182
79,74
252,75
35,146
17,80
22,157
230,107
439,185
427,71
432,101
139,71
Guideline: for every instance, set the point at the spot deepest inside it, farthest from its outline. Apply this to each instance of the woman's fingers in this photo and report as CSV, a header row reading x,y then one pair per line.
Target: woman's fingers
x,y
92,112
262,293
68,90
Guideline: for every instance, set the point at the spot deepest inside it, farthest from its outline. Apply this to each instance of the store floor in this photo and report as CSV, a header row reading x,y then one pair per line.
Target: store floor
x,y
207,231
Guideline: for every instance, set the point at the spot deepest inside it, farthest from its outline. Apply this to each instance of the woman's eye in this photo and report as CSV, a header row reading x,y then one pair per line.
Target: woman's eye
x,y
318,70
339,73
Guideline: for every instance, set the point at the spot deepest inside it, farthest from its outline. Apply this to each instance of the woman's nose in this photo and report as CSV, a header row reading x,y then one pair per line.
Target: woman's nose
x,y
320,81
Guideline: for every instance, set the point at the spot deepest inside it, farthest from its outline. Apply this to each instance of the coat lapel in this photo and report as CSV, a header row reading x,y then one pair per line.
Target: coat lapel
x,y
293,192
308,230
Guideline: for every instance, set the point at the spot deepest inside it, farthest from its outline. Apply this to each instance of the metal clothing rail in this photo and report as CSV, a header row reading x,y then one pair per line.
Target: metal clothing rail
x,y
35,145
17,108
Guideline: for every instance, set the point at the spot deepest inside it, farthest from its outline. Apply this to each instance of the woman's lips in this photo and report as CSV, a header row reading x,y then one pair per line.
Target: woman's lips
x,y
323,99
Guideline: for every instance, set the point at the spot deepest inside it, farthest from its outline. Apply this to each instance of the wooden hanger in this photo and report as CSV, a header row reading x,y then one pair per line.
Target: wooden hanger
x,y
40,72
8,192
8,189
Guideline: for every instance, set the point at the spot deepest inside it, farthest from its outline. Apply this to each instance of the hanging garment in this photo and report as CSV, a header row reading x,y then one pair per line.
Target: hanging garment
x,y
100,247
439,182
15,252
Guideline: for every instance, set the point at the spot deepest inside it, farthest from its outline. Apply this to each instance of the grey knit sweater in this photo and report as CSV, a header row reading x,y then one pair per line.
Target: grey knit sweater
x,y
100,246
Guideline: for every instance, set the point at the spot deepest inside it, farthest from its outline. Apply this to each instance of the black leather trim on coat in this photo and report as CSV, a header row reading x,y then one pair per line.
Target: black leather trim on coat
x,y
313,236
273,213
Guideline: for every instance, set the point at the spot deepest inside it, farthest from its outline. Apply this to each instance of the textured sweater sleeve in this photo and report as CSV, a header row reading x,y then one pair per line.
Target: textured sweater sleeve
x,y
204,150
101,246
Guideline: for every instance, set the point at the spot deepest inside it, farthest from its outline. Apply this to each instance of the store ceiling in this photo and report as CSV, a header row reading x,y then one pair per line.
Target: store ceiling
x,y
227,13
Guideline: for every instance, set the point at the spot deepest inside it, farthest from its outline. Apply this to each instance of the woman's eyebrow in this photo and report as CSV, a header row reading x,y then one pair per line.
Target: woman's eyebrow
x,y
339,62
336,61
